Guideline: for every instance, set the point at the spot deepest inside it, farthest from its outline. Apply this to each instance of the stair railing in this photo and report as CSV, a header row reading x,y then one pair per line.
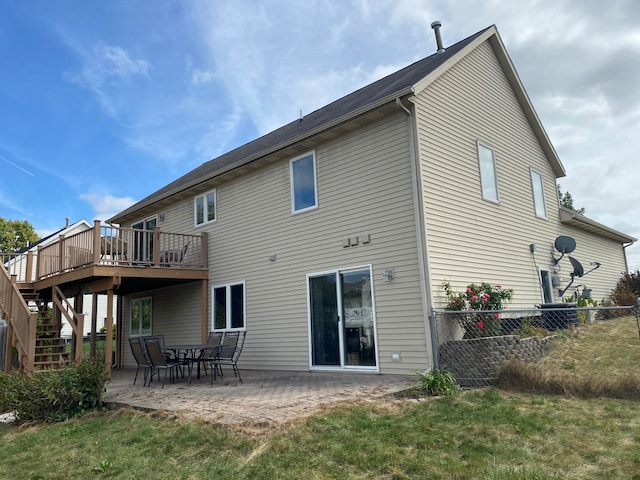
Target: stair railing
x,y
75,319
21,322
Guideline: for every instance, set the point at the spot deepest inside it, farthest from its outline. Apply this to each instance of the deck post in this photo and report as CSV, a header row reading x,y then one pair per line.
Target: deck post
x,y
108,344
96,242
61,265
9,347
204,250
204,310
28,277
9,351
94,325
156,246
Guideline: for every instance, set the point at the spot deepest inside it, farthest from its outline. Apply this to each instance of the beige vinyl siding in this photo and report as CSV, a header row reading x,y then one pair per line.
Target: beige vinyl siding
x,y
364,188
593,248
175,314
469,239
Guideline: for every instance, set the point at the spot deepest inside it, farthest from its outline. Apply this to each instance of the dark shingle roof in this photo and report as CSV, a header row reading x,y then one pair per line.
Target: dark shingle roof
x,y
391,86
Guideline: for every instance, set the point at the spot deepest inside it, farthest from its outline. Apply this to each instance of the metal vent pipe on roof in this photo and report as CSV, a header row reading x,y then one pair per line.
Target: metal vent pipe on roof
x,y
436,28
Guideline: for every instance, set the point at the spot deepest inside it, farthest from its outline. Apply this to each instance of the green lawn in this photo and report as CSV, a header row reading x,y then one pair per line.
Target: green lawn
x,y
476,435
487,434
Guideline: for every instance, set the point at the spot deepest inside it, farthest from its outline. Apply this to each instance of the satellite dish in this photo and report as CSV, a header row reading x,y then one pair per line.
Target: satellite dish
x,y
578,271
565,244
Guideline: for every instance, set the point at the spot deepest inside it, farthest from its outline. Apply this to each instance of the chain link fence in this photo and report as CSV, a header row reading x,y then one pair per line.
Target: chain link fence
x,y
561,339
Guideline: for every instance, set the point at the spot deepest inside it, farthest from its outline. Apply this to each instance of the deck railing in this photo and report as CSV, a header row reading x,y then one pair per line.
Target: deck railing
x,y
22,322
109,245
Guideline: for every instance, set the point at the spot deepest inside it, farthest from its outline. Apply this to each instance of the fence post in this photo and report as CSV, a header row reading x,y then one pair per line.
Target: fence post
x,y
435,348
638,314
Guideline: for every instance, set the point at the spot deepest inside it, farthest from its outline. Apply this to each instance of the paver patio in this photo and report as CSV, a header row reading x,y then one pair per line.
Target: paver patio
x,y
265,397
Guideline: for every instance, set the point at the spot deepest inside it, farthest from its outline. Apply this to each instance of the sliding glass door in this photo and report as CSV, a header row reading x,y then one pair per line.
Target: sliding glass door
x,y
341,316
143,240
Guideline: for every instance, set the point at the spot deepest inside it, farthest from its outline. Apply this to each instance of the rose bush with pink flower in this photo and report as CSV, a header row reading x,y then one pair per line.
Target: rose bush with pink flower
x,y
475,299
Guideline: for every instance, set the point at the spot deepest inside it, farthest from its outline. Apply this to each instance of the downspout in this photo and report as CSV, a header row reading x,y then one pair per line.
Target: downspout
x,y
430,330
624,253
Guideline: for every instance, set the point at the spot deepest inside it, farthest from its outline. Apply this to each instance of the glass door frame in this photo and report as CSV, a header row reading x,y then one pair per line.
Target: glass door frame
x,y
341,329
142,242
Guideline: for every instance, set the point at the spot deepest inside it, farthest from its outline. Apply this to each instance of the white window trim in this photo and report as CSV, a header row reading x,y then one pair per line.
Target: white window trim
x,y
206,212
542,287
139,332
342,367
144,221
311,153
495,172
228,286
533,172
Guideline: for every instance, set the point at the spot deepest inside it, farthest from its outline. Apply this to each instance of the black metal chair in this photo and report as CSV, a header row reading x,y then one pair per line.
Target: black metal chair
x,y
140,356
229,353
158,361
207,355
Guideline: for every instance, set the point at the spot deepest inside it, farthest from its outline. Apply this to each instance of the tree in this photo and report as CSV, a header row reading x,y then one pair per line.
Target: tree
x,y
566,201
16,234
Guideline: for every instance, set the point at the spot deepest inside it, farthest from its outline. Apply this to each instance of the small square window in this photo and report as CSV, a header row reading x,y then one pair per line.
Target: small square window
x,y
488,174
204,208
303,183
538,194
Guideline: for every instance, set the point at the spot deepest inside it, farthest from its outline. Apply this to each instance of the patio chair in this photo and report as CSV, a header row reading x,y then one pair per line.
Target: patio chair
x,y
158,360
140,356
214,340
229,352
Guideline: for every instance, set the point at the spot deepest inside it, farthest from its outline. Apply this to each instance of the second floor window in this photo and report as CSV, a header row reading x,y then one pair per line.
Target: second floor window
x,y
488,174
205,208
538,194
303,183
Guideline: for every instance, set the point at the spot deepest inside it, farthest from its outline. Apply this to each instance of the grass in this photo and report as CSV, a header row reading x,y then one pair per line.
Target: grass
x,y
487,434
477,435
592,360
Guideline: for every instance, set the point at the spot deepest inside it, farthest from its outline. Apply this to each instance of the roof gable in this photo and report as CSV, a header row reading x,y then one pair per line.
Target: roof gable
x,y
406,81
382,91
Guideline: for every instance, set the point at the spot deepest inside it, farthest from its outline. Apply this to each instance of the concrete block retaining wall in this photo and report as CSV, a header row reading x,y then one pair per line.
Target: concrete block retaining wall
x,y
475,362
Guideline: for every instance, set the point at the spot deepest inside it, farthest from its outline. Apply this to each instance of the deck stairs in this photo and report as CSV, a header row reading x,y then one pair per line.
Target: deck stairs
x,y
51,350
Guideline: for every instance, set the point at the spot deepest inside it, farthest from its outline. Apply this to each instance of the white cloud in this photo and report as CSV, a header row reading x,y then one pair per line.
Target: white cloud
x,y
106,69
105,206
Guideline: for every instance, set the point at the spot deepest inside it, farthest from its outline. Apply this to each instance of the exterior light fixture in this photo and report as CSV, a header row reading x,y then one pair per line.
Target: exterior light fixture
x,y
387,275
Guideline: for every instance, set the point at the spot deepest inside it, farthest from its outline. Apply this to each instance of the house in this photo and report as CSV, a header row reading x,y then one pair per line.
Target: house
x,y
328,239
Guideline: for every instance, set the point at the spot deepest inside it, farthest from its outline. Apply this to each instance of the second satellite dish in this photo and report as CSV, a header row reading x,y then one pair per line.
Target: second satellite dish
x,y
578,271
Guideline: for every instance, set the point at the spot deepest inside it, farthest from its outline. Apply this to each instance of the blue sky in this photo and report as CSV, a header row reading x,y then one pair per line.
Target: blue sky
x,y
102,103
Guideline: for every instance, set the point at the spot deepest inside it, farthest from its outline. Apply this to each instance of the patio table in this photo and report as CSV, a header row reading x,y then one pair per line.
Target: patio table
x,y
189,354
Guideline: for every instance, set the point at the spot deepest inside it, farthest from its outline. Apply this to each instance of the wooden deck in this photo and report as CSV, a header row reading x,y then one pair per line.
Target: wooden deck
x,y
103,260
108,257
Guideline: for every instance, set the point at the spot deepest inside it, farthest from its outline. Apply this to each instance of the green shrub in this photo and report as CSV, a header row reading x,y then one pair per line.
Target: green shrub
x,y
53,395
437,382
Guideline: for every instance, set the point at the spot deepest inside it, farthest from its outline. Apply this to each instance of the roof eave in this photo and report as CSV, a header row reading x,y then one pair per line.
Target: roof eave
x,y
292,141
569,217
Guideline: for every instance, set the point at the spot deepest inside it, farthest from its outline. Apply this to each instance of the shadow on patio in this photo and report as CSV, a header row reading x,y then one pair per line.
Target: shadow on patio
x,y
265,397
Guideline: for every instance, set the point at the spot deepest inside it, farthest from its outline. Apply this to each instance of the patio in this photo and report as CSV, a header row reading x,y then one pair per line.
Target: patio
x,y
264,397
